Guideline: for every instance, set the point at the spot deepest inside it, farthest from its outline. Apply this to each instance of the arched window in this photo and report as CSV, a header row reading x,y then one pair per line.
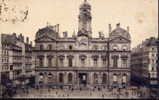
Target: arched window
x,y
70,78
124,48
61,77
50,76
115,47
41,47
104,80
95,78
41,76
83,59
49,47
114,78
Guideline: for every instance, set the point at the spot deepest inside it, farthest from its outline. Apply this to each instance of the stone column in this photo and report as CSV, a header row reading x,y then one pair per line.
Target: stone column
x,y
45,60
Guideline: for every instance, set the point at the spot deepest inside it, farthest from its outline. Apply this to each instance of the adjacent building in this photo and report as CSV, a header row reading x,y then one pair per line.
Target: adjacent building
x,y
144,62
16,57
81,60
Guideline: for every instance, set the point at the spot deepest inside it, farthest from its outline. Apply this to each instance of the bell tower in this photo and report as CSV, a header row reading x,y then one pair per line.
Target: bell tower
x,y
84,27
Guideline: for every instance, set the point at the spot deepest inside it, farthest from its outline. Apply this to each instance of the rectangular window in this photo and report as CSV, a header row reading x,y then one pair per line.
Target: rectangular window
x,y
62,62
104,61
83,62
49,62
115,61
95,62
41,62
124,63
70,62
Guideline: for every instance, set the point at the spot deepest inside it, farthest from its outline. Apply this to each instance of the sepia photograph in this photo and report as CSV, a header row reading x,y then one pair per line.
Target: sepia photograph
x,y
61,49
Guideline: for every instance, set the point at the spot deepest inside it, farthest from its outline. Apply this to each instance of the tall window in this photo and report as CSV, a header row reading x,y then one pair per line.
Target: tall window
x,y
95,78
114,78
50,78
49,47
70,78
104,80
104,60
61,78
70,47
83,62
95,59
41,76
124,62
61,59
41,62
124,78
62,62
70,62
83,59
41,47
49,61
115,61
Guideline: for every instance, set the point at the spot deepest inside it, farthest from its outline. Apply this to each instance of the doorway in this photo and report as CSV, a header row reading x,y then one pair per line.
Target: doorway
x,y
83,79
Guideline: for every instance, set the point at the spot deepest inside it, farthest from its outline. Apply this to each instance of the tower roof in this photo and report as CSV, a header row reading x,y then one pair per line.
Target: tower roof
x,y
85,5
118,31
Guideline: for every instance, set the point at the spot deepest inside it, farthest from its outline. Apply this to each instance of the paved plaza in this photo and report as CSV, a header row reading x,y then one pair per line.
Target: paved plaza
x,y
86,93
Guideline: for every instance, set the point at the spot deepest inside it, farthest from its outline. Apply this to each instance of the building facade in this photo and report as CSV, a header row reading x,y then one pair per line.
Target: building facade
x,y
16,57
144,62
81,60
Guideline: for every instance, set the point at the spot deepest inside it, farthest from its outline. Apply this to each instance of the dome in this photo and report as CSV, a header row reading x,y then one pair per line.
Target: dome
x,y
85,5
48,30
120,32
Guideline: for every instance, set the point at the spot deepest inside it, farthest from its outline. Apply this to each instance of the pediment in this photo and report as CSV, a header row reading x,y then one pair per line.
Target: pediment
x,y
45,39
120,39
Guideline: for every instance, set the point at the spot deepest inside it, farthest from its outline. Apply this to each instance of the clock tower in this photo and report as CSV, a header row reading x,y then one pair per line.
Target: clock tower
x,y
84,28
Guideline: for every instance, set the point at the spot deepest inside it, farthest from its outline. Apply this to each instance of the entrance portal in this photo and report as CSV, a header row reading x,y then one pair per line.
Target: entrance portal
x,y
83,78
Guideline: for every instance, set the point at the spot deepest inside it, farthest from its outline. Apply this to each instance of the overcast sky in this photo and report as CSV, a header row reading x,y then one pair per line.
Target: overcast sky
x,y
140,15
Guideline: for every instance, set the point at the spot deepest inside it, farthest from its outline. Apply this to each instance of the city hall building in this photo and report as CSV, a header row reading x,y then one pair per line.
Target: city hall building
x,y
81,60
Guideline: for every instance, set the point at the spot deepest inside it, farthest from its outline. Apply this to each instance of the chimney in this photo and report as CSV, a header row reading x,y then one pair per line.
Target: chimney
x,y
128,28
65,34
118,25
27,40
110,28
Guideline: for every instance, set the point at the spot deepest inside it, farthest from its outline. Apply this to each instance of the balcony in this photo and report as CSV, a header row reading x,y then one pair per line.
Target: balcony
x,y
70,68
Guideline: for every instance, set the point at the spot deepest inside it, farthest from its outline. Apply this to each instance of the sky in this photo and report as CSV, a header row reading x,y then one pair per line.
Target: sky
x,y
140,15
